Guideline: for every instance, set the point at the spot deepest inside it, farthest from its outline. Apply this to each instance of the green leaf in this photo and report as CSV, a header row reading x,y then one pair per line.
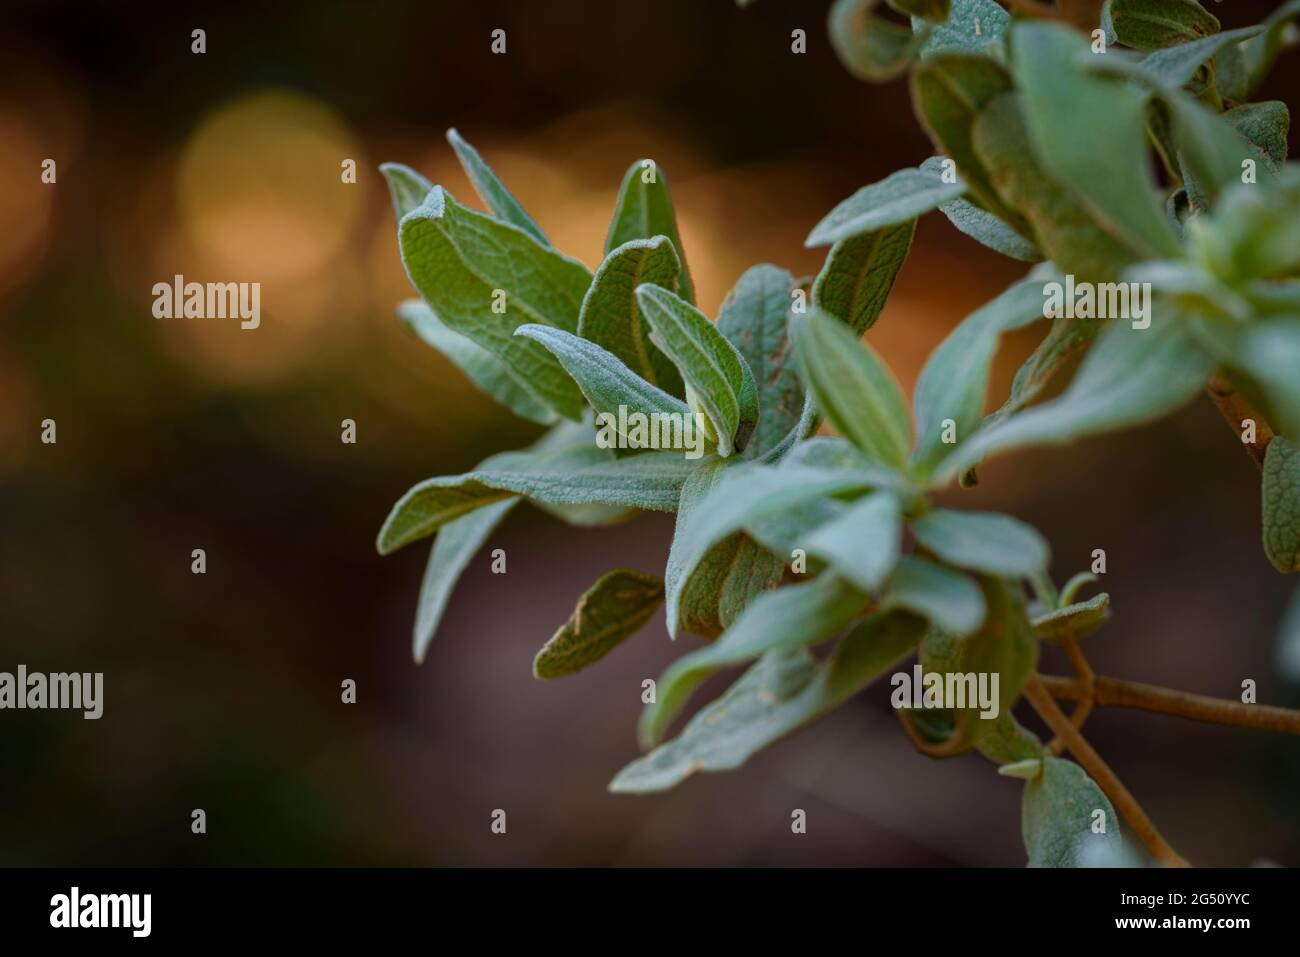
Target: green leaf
x,y
755,319
458,260
949,90
1077,620
1176,65
896,200
1004,645
452,551
987,230
947,598
983,542
1254,231
1067,338
862,545
954,380
1152,24
407,187
645,210
1210,150
611,318
705,597
780,692
578,475
1005,741
612,610
1268,350
869,47
790,617
783,531
1288,643
971,27
481,367
1281,504
859,273
853,388
1130,377
715,373
609,385
1057,816
1260,52
1089,131
1264,126
499,199
718,505
1061,227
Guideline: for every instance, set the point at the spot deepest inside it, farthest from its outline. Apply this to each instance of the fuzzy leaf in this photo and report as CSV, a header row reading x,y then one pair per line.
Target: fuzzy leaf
x,y
853,388
500,200
1089,131
453,549
859,273
1077,620
949,91
714,371
1265,126
780,692
1061,227
1260,52
645,210
611,318
1057,816
578,475
1176,65
1152,24
608,384
705,598
612,610
954,380
1130,376
457,258
715,506
935,11
862,545
406,187
987,230
870,47
1281,504
983,542
755,319
947,598
1210,150
971,27
896,200
794,616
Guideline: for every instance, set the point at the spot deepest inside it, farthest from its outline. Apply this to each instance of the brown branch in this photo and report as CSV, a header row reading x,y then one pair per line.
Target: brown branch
x,y
1127,806
1235,410
1084,704
1116,693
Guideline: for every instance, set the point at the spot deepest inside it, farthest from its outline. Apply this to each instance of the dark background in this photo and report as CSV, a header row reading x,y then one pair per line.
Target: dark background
x,y
223,691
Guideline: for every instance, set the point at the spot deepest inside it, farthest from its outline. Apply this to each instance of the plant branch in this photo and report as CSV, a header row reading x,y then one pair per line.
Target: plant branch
x,y
1085,701
1116,693
1043,702
1235,410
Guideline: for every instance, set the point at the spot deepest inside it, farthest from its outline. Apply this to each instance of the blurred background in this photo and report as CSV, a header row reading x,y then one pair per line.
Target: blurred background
x,y
222,691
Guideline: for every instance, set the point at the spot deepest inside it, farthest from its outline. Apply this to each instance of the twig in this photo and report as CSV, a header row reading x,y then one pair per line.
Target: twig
x,y
1041,699
1235,410
1084,704
1116,693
